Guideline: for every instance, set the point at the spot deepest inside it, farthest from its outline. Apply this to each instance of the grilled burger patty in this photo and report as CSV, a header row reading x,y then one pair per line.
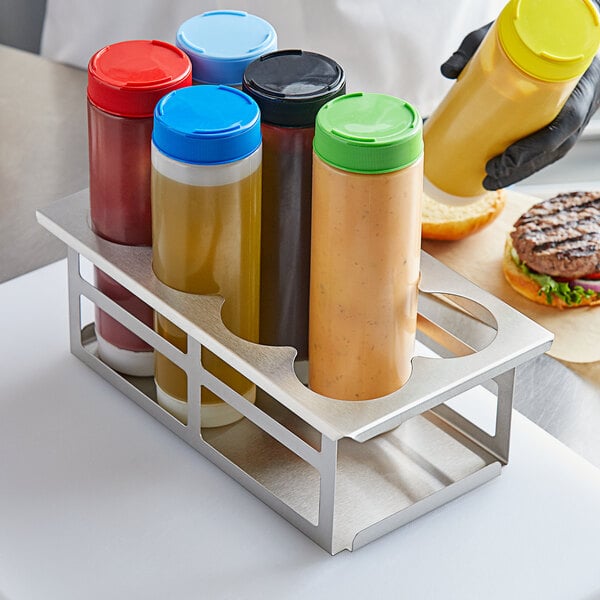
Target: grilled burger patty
x,y
561,236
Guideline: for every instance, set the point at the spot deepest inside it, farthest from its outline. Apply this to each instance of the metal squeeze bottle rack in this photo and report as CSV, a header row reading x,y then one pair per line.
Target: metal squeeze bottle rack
x,y
344,473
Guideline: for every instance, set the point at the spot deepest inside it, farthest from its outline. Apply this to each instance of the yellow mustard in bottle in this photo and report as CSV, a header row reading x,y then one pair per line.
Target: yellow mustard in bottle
x,y
206,181
516,83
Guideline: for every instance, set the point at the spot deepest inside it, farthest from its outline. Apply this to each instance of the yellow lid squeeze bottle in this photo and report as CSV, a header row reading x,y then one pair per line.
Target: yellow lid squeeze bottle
x,y
516,83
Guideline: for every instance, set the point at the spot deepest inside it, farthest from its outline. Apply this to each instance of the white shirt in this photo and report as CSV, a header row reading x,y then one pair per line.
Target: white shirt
x,y
388,46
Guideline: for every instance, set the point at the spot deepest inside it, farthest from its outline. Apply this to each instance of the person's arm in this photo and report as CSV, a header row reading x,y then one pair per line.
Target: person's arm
x,y
542,148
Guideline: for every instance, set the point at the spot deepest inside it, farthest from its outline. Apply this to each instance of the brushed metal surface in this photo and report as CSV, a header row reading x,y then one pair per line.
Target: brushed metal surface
x,y
517,338
43,153
344,473
379,485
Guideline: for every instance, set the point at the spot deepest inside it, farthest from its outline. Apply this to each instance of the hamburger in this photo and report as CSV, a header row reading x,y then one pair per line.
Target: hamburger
x,y
553,254
443,222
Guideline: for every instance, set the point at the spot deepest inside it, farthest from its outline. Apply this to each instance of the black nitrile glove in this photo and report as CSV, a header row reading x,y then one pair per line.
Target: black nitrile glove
x,y
453,67
542,148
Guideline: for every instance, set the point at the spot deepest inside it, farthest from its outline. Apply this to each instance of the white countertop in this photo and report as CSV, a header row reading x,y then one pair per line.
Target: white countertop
x,y
98,500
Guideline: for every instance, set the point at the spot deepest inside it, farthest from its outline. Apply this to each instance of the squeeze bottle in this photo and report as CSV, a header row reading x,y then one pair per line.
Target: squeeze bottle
x,y
125,81
365,247
516,83
206,175
222,43
289,86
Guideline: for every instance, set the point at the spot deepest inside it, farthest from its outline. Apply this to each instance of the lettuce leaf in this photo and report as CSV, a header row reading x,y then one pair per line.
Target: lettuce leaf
x,y
550,287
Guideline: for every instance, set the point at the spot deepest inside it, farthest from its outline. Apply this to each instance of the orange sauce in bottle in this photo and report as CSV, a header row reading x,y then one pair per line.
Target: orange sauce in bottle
x,y
365,246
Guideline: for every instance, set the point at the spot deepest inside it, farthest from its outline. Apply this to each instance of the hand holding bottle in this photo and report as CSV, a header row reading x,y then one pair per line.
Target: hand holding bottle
x,y
547,145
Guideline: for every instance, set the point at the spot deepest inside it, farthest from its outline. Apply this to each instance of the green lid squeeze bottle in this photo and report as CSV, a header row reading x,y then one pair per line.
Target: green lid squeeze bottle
x,y
366,234
516,83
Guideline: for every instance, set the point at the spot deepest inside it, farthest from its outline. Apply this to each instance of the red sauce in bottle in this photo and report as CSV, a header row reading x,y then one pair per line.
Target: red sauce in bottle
x,y
125,81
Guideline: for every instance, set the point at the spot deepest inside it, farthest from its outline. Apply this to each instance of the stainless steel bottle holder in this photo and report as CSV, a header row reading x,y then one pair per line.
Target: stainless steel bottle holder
x,y
344,473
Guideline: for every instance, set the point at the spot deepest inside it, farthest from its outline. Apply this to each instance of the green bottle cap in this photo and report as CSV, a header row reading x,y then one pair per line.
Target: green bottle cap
x,y
368,133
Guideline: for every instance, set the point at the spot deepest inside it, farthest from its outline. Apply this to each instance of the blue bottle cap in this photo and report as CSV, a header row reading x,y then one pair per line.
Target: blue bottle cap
x,y
207,125
222,43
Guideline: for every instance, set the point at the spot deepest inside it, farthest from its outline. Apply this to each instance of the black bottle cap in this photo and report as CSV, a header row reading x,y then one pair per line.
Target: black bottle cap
x,y
290,86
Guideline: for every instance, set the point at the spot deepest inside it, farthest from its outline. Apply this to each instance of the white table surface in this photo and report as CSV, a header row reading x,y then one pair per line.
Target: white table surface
x,y
98,500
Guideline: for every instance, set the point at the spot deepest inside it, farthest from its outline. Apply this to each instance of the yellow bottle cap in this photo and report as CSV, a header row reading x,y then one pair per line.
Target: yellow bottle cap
x,y
552,40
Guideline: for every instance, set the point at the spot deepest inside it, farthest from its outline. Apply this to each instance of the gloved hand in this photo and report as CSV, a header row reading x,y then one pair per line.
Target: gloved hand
x,y
538,150
453,67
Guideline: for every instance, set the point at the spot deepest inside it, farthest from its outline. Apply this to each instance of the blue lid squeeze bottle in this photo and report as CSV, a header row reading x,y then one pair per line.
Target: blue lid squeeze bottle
x,y
222,43
206,178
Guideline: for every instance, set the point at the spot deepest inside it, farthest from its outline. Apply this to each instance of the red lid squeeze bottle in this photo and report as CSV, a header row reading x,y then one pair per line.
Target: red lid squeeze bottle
x,y
125,81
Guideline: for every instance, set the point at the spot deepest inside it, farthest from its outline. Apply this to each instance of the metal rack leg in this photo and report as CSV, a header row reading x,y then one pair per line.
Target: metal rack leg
x,y
328,471
74,303
497,444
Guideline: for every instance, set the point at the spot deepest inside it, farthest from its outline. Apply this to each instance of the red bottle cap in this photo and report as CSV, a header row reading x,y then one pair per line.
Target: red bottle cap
x,y
128,78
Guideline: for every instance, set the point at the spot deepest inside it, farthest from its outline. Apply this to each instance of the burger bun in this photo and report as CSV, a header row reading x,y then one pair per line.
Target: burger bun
x,y
444,222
